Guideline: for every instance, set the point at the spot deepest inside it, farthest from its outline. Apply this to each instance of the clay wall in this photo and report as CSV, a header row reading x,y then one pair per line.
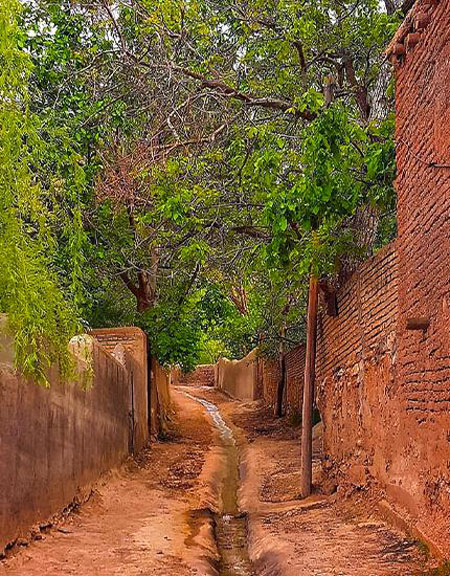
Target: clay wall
x,y
270,375
161,405
422,468
203,375
356,373
55,442
134,340
238,378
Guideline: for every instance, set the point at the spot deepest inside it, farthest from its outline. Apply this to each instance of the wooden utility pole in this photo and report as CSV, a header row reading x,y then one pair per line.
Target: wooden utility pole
x,y
282,380
308,388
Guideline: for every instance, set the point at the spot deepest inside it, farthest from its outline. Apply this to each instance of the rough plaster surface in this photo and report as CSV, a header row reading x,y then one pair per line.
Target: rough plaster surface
x,y
238,378
55,441
134,340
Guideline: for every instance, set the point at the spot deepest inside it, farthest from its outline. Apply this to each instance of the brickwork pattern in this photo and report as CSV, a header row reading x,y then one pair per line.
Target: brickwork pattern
x,y
423,185
270,375
356,370
384,390
203,375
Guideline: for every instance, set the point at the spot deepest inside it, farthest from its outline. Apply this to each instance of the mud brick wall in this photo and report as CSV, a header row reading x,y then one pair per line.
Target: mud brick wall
x,y
423,186
357,385
134,340
161,379
270,375
238,378
55,442
295,374
203,375
371,436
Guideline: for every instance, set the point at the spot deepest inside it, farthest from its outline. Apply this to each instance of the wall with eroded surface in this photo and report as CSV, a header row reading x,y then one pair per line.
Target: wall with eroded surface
x,y
423,186
55,442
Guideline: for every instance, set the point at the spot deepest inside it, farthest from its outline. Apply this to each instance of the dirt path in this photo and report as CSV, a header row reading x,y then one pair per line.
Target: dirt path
x,y
156,516
331,535
142,520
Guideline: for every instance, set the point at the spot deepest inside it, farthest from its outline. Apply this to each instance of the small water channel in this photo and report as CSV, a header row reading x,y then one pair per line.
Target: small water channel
x,y
230,522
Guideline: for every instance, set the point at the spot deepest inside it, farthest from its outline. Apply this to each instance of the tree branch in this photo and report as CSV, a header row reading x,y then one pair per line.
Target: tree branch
x,y
248,98
129,284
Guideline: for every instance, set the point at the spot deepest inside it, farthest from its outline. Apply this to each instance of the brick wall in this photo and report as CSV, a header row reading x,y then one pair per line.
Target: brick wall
x,y
203,375
295,372
383,389
357,387
269,374
423,143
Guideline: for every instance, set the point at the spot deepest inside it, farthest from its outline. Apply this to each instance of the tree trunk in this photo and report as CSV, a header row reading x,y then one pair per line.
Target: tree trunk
x,y
282,380
145,296
143,291
308,388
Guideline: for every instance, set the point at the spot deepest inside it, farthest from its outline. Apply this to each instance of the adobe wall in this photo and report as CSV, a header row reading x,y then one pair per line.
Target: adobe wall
x,y
238,378
161,379
203,375
134,340
356,374
372,435
423,186
270,375
56,441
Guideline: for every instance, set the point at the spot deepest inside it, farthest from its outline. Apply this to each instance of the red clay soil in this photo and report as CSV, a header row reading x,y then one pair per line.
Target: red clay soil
x,y
142,519
153,516
324,535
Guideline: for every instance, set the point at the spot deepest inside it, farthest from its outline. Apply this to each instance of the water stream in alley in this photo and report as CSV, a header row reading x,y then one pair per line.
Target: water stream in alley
x,y
230,523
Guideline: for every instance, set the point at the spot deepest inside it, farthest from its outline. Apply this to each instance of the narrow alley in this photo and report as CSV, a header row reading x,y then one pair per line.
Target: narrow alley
x,y
224,288
162,513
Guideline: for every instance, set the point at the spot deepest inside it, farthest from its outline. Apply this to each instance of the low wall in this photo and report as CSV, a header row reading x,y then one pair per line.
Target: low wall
x,y
203,375
56,441
134,340
238,378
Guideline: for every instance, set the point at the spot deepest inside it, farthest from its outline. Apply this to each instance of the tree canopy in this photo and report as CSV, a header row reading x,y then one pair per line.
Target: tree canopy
x,y
184,166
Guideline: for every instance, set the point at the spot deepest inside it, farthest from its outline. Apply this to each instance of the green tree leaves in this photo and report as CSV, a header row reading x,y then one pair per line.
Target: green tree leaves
x,y
38,313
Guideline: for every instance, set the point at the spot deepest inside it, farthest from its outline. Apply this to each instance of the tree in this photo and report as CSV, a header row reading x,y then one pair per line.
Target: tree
x,y
198,123
41,315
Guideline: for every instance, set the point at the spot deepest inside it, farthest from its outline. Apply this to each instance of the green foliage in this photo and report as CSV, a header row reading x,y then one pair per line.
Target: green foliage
x,y
30,293
215,153
344,167
177,332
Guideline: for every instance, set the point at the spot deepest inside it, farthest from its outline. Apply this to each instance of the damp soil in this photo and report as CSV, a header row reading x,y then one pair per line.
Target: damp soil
x,y
230,523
